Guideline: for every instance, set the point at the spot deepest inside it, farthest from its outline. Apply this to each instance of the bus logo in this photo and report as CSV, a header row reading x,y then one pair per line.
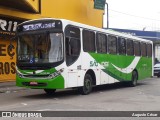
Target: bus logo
x,y
93,63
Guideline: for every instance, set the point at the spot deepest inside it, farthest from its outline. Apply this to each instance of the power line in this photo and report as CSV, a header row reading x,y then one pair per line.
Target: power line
x,y
133,22
139,25
133,15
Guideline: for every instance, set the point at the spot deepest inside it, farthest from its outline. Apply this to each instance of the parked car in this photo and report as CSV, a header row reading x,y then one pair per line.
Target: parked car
x,y
157,70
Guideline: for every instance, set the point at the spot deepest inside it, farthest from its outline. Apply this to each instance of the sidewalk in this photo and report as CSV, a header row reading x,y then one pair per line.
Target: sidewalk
x,y
8,87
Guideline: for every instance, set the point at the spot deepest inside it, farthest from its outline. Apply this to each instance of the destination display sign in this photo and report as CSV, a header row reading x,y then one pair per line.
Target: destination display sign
x,y
39,25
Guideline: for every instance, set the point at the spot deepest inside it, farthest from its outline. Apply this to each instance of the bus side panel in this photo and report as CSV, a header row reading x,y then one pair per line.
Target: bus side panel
x,y
130,60
118,67
144,68
89,63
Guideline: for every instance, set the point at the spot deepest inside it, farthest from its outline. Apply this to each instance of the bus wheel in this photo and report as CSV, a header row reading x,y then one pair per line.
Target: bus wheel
x,y
158,75
133,83
50,91
87,87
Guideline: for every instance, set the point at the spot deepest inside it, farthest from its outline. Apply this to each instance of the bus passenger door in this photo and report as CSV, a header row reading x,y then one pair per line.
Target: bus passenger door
x,y
72,78
72,49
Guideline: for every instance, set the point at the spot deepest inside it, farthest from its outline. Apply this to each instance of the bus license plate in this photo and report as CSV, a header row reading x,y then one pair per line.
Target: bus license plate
x,y
33,83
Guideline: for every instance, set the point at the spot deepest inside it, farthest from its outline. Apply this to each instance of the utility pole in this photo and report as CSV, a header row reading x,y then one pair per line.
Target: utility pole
x,y
107,16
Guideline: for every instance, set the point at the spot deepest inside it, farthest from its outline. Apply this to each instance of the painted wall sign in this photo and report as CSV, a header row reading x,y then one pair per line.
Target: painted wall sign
x,y
7,51
8,26
7,60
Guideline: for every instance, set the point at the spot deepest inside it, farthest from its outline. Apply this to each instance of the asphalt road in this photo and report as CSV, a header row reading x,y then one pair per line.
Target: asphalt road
x,y
114,97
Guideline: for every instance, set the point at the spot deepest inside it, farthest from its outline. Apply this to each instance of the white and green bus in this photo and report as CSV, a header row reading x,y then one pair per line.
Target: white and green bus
x,y
57,54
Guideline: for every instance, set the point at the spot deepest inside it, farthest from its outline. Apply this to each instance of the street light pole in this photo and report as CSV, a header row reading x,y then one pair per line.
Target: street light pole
x,y
107,16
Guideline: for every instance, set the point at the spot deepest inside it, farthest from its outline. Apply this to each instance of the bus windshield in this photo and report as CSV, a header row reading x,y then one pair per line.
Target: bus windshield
x,y
40,48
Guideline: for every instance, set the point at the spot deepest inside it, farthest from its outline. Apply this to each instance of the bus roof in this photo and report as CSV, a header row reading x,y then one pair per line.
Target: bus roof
x,y
107,31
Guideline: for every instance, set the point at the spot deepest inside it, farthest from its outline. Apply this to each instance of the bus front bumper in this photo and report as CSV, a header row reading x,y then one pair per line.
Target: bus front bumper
x,y
56,83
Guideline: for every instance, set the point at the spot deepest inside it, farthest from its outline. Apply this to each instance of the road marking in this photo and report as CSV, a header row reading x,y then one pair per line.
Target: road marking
x,y
55,98
24,104
44,110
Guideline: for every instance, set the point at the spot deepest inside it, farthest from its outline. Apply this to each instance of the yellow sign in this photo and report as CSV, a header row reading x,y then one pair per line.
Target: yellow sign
x,y
7,60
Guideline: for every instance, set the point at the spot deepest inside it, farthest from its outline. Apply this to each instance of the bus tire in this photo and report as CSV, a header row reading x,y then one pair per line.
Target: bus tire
x,y
158,75
50,91
133,83
88,84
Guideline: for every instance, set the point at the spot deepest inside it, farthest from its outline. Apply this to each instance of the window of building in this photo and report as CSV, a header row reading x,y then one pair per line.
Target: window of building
x,y
130,49
121,46
112,44
88,41
101,42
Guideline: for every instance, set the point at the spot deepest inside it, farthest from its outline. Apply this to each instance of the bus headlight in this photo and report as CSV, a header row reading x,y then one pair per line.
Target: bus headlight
x,y
19,74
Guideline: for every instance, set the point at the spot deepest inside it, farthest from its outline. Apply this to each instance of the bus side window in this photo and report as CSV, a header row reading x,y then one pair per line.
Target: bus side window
x,y
74,47
130,48
101,43
68,52
149,50
88,41
72,44
143,48
112,44
72,50
121,46
137,50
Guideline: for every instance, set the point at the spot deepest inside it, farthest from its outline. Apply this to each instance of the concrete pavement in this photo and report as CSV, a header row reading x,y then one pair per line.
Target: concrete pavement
x,y
7,87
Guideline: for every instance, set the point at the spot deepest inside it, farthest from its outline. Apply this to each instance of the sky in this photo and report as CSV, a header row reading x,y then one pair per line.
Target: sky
x,y
133,14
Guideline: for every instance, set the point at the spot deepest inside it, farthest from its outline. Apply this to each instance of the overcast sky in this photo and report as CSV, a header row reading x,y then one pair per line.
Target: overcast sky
x,y
134,14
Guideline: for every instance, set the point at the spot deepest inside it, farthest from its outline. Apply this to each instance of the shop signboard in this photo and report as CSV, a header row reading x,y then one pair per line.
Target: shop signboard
x,y
7,50
8,26
99,4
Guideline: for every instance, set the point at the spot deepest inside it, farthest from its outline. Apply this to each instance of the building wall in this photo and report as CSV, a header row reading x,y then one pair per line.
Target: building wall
x,y
76,10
